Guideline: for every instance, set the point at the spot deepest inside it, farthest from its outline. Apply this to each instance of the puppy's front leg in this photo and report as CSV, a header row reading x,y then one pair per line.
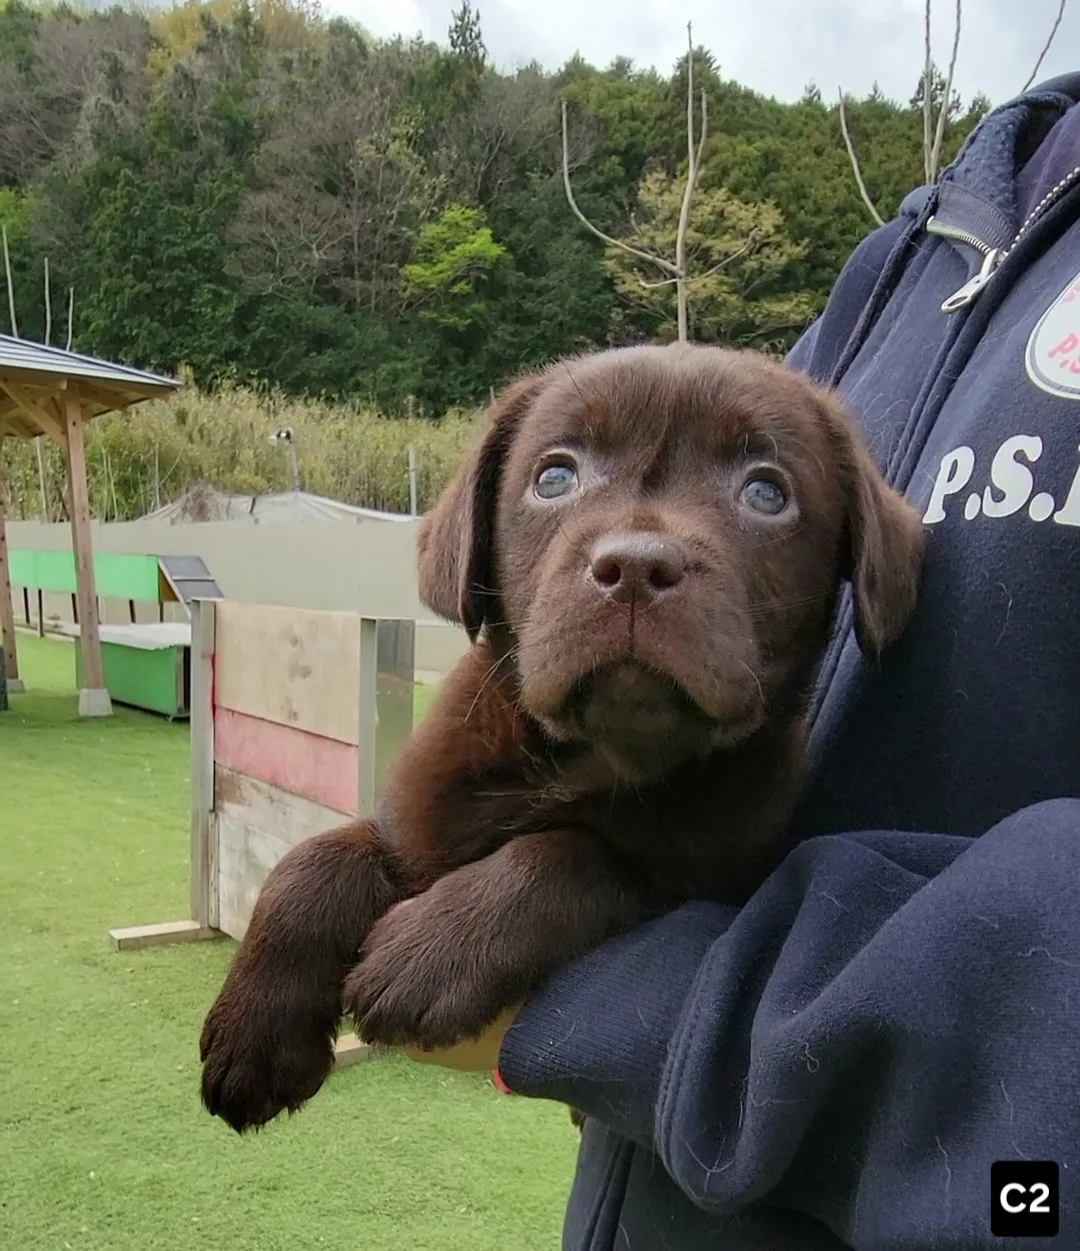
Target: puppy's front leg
x,y
268,1041
441,967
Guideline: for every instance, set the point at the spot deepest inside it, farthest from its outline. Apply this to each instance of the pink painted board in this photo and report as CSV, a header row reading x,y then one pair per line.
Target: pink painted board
x,y
323,770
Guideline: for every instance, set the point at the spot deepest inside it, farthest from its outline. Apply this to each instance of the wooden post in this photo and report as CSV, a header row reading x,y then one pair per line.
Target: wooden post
x,y
203,922
7,609
204,884
367,697
94,699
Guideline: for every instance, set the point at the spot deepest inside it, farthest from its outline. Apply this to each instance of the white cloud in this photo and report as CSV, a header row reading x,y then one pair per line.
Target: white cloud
x,y
774,46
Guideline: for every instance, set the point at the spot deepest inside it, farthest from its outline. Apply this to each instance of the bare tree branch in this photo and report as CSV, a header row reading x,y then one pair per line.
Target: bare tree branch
x,y
659,261
688,193
40,455
855,165
10,288
934,128
71,315
746,248
1046,46
943,111
666,282
48,304
704,128
651,286
676,273
927,98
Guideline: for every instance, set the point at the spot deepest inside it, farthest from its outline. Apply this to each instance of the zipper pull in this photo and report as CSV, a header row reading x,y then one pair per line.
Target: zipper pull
x,y
967,293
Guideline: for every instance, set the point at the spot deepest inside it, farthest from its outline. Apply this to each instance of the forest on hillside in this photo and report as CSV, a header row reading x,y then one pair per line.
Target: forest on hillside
x,y
360,238
247,191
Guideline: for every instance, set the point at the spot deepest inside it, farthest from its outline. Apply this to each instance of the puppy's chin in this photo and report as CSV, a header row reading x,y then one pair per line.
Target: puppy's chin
x,y
643,723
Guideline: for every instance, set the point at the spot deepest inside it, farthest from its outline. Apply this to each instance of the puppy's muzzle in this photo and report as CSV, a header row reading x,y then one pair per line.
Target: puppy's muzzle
x,y
636,567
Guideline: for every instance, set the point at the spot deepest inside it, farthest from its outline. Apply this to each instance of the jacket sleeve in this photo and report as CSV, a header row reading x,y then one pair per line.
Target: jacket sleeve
x,y
888,1015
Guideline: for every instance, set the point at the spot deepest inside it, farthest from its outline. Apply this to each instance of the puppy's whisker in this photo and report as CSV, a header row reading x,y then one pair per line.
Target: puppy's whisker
x,y
487,678
757,611
573,381
757,680
811,454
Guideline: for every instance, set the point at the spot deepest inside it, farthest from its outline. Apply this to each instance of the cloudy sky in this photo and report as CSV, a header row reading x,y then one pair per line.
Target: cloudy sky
x,y
774,46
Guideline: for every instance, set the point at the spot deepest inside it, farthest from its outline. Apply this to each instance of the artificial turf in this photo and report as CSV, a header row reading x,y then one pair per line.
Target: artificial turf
x,y
103,1143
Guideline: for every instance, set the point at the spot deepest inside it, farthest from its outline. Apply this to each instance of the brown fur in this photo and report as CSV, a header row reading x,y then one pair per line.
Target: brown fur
x,y
621,737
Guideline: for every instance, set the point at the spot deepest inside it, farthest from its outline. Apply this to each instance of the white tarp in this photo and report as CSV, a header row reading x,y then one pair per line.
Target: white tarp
x,y
204,504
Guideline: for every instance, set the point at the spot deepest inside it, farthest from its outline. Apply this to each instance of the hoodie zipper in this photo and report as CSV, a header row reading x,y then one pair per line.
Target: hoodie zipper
x,y
992,257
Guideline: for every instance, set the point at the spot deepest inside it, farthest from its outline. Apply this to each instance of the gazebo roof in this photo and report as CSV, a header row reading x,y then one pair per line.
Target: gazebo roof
x,y
37,373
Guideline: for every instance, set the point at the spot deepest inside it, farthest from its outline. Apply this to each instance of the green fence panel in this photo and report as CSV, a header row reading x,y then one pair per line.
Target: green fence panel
x,y
118,575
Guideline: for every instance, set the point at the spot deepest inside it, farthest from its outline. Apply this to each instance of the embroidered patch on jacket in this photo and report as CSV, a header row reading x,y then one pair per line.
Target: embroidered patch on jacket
x,y
1052,358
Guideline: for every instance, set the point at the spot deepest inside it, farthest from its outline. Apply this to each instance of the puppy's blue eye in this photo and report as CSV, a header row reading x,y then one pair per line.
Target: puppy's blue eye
x,y
555,481
764,496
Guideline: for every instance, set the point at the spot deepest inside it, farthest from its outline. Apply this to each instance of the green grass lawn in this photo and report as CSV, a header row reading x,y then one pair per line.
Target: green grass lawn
x,y
103,1143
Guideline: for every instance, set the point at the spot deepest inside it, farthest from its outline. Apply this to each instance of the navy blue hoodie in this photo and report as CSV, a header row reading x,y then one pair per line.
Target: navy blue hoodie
x,y
838,1063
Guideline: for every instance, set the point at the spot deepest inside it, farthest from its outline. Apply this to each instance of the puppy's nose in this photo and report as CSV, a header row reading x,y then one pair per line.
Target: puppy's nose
x,y
637,566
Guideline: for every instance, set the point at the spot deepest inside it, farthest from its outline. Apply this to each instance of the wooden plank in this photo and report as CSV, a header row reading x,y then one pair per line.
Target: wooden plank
x,y
290,666
288,818
95,699
166,933
321,769
110,400
256,825
7,606
349,1049
41,379
149,636
246,855
36,410
204,887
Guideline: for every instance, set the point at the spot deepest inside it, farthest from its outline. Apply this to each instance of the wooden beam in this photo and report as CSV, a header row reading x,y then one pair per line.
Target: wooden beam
x,y
167,933
349,1049
110,400
204,856
36,409
94,698
119,391
43,378
7,608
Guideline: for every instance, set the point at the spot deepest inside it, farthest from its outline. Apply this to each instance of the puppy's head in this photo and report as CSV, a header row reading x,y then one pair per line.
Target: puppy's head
x,y
658,535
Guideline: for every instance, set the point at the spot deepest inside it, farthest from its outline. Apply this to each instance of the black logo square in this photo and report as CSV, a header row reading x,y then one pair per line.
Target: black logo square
x,y
1024,1199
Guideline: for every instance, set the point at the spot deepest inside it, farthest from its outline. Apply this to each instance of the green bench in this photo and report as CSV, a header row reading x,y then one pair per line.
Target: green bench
x,y
146,665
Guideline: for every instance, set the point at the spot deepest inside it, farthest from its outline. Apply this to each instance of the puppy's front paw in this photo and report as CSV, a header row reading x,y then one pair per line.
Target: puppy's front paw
x,y
424,979
262,1056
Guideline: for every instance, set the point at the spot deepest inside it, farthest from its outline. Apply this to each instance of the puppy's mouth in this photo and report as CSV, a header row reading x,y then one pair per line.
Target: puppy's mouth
x,y
643,721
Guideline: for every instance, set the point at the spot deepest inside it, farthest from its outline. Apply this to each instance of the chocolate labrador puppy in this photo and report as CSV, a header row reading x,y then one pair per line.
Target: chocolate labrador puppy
x,y
646,549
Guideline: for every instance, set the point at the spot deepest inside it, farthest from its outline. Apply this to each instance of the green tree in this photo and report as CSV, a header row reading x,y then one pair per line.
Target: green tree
x,y
737,253
451,283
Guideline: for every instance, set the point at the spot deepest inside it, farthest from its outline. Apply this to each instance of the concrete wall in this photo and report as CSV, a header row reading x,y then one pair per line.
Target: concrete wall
x,y
363,566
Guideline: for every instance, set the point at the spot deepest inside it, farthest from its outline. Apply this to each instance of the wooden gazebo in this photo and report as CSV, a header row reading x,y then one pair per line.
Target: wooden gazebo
x,y
48,391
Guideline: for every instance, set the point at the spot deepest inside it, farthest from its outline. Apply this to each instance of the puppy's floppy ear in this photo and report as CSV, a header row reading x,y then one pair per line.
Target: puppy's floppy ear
x,y
456,540
884,539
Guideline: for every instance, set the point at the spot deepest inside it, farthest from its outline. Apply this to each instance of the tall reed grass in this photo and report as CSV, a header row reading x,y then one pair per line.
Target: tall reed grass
x,y
157,451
